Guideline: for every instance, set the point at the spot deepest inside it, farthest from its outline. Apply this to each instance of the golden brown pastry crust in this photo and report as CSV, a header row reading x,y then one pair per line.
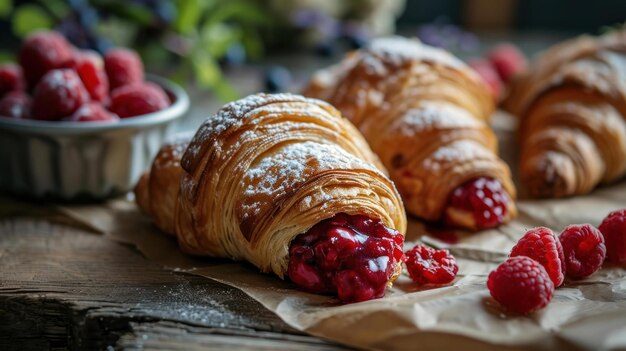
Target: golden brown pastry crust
x,y
157,190
268,167
572,106
424,113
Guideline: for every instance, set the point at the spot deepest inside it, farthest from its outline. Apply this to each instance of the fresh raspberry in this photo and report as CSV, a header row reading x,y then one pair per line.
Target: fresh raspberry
x,y
42,52
92,112
521,285
123,66
483,198
429,266
11,79
15,104
508,61
90,68
59,93
584,249
543,246
613,228
138,99
352,256
489,75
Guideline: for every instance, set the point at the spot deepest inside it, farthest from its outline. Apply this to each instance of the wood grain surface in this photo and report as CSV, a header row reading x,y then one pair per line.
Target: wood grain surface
x,y
65,288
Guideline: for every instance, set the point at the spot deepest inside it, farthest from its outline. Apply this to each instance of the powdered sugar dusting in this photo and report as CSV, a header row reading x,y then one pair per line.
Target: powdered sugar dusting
x,y
232,115
172,151
399,49
429,115
285,170
455,153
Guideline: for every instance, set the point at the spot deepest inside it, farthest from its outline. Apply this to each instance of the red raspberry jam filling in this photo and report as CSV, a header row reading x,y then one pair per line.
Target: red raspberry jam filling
x,y
483,199
352,256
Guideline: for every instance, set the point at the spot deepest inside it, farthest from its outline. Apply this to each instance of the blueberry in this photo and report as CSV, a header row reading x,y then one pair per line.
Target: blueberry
x,y
235,55
325,49
306,18
357,35
88,17
165,11
277,78
357,41
101,45
469,42
77,5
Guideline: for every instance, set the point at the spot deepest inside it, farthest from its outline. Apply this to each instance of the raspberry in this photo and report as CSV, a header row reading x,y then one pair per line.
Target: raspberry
x,y
138,99
542,245
90,69
352,256
429,266
15,104
483,199
59,93
92,112
521,285
42,52
11,79
123,67
508,61
488,73
613,228
584,249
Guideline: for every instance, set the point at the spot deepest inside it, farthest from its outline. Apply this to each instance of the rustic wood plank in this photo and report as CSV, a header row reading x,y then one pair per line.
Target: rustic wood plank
x,y
64,288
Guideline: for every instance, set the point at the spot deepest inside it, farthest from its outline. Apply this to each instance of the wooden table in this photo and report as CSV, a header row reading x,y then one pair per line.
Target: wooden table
x,y
66,288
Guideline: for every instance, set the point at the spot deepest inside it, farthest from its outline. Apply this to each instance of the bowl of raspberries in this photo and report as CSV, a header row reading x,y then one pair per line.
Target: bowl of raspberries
x,y
75,124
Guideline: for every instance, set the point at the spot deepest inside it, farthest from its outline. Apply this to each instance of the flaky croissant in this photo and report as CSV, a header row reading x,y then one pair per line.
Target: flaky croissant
x,y
572,110
424,113
287,184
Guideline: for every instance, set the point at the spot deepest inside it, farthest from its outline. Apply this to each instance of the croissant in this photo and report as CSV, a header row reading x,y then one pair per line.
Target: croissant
x,y
425,114
572,111
287,184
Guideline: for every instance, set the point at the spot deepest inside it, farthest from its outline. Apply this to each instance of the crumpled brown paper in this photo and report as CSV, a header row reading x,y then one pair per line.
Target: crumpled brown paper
x,y
588,314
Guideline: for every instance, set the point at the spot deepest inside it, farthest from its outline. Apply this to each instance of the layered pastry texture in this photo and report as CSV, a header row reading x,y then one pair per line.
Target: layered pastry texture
x,y
287,184
572,110
425,114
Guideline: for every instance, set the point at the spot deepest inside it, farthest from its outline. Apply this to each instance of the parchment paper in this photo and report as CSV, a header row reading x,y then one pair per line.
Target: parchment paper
x,y
588,314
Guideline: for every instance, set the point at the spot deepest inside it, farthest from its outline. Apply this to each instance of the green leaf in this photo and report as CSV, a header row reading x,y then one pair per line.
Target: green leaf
x,y
189,14
137,13
207,71
7,57
241,11
119,31
216,38
28,18
210,76
253,43
226,92
6,6
58,8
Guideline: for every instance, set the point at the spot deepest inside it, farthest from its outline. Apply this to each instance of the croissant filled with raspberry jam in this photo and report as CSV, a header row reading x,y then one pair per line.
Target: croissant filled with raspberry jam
x,y
425,114
287,184
572,110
